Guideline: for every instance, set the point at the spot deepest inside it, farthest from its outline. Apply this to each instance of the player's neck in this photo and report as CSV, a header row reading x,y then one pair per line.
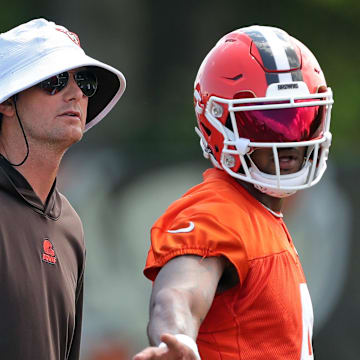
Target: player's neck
x,y
273,203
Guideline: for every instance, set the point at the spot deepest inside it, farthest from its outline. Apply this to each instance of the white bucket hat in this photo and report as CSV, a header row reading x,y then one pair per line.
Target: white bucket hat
x,y
39,49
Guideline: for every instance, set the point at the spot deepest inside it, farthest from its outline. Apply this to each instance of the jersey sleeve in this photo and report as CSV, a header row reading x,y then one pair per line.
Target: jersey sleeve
x,y
194,233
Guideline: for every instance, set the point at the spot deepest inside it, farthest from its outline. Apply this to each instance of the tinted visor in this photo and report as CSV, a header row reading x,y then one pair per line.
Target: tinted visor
x,y
281,125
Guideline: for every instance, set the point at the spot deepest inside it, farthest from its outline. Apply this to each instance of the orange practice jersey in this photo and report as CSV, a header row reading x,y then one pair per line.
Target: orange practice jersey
x,y
268,315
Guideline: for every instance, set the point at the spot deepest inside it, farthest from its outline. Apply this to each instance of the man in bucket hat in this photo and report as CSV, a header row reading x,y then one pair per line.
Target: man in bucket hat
x,y
51,92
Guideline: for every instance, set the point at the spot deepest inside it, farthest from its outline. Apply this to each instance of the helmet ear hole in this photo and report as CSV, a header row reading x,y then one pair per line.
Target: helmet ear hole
x,y
206,129
228,123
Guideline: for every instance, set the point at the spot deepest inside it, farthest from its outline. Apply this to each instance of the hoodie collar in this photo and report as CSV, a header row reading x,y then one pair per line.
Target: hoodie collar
x,y
15,183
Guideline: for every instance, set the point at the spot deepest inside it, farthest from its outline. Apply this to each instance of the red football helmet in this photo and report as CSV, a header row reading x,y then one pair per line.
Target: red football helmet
x,y
261,88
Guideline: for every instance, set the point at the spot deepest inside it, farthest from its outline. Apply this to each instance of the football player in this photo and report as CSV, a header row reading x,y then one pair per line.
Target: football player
x,y
228,283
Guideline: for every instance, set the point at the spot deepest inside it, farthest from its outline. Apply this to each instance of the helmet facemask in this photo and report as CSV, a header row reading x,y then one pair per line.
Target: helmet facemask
x,y
306,124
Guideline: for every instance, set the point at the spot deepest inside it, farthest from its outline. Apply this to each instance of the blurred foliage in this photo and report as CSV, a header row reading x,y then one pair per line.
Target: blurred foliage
x,y
159,46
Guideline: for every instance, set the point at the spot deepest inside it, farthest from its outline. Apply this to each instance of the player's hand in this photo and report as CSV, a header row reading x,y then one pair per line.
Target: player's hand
x,y
175,350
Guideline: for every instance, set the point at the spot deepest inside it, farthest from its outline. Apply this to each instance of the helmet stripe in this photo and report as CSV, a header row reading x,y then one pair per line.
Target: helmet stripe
x,y
277,53
294,61
297,75
266,54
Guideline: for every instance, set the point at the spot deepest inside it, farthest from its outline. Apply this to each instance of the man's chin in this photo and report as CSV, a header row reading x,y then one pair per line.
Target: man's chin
x,y
76,138
70,138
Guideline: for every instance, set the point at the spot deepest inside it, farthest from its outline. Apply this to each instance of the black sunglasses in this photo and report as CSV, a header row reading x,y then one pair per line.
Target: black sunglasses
x,y
85,79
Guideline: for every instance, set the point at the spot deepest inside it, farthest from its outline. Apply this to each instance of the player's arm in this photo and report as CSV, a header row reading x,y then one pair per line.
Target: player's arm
x,y
181,297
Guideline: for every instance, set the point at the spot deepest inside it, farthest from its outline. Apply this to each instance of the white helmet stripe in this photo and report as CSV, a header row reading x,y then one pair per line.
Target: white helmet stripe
x,y
276,52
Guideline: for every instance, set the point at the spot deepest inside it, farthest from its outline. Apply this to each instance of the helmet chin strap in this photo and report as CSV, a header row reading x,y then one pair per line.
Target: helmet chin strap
x,y
275,192
22,129
297,178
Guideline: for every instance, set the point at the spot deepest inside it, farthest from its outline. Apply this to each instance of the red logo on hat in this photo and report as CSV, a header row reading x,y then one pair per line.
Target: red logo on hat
x,y
70,34
49,254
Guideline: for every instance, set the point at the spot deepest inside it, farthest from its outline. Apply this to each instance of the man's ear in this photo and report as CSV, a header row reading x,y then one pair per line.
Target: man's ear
x,y
7,108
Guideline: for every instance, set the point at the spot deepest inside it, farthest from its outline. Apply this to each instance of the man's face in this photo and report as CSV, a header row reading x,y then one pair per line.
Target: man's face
x,y
290,160
53,119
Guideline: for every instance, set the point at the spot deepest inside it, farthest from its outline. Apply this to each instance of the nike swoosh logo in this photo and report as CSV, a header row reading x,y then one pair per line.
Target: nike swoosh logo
x,y
183,230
